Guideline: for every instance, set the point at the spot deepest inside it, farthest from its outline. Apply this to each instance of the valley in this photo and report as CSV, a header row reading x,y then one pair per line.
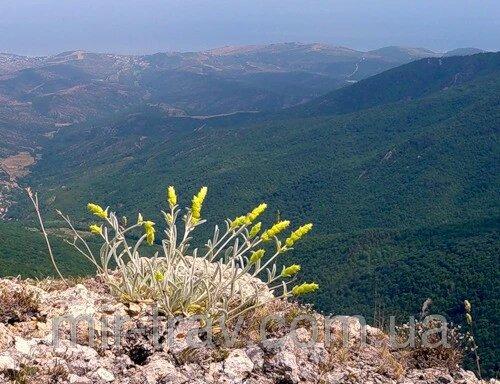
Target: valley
x,y
72,87
39,96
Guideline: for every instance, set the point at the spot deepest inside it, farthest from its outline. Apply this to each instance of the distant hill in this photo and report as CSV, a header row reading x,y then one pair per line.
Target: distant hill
x,y
403,54
407,82
12,63
76,86
464,51
61,88
41,95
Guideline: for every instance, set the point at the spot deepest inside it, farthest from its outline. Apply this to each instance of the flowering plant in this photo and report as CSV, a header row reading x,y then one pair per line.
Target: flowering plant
x,y
224,280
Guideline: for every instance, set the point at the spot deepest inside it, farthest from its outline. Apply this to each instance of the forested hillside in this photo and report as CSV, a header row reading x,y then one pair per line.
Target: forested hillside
x,y
39,96
438,152
399,174
23,252
407,82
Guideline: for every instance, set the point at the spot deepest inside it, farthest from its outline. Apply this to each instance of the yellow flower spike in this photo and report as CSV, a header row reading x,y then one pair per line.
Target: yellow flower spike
x,y
197,203
150,231
239,221
257,255
255,230
468,318
304,289
249,217
148,224
95,229
194,308
275,230
169,218
298,234
171,196
97,210
290,271
467,305
159,276
256,212
150,236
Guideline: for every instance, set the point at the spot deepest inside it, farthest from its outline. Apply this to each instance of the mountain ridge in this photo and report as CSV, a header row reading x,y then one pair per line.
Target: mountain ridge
x,y
422,77
58,88
238,49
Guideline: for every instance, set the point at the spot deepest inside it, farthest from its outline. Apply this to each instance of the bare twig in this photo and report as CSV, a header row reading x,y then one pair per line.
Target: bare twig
x,y
34,199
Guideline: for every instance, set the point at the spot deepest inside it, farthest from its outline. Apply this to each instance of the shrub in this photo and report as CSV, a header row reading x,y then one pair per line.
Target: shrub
x,y
230,276
18,305
436,344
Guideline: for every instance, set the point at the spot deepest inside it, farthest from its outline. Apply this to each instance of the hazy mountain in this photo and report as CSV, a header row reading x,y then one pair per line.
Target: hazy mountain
x,y
41,95
402,54
464,52
63,88
12,63
411,81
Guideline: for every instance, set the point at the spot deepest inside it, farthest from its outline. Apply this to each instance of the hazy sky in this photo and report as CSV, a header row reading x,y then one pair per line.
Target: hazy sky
x,y
133,26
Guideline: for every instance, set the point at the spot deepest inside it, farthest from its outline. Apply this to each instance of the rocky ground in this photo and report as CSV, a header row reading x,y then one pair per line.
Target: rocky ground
x,y
29,311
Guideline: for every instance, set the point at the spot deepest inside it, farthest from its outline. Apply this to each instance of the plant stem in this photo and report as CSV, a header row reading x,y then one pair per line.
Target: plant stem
x,y
34,200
